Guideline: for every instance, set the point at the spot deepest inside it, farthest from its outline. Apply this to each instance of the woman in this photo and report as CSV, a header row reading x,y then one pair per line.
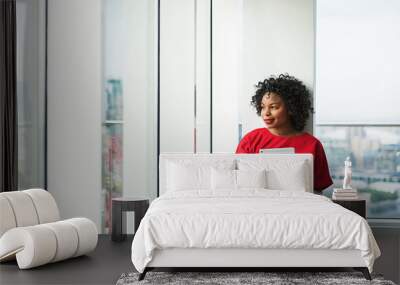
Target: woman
x,y
284,105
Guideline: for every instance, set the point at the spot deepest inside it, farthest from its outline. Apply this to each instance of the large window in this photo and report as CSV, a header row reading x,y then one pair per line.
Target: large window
x,y
357,97
375,153
129,146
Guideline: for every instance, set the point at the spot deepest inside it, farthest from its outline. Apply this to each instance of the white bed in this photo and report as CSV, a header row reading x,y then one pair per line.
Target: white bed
x,y
197,224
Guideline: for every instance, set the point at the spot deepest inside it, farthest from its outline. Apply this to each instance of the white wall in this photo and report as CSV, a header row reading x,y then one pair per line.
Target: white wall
x,y
74,107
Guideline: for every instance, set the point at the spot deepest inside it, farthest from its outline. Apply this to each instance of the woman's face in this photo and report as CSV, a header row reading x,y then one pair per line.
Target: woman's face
x,y
274,113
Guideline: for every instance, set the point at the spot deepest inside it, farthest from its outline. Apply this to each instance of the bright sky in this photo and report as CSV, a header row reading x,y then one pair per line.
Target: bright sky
x,y
358,61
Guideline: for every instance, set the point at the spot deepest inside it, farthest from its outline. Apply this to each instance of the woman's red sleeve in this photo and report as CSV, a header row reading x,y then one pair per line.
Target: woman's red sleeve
x,y
322,177
244,145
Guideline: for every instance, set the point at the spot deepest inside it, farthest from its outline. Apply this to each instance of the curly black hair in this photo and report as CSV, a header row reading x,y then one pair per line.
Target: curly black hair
x,y
295,95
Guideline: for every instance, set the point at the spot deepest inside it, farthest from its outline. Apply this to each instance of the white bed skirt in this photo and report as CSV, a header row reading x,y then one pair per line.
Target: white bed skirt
x,y
192,257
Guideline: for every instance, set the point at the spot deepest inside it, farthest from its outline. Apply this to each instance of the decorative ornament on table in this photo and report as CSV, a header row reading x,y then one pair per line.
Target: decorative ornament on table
x,y
347,174
347,192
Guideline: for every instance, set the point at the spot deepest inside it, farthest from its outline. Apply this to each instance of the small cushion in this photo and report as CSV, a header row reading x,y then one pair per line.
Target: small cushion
x,y
294,179
226,179
282,174
223,179
190,174
251,178
185,177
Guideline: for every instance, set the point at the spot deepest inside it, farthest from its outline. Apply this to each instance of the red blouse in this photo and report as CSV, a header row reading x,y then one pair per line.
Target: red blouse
x,y
305,143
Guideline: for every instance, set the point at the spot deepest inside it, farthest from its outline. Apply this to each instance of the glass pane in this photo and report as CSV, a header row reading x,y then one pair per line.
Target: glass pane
x,y
31,50
112,153
177,81
375,155
129,103
185,76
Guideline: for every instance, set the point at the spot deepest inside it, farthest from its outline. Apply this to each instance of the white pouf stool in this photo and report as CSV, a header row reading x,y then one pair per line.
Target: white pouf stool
x,y
31,230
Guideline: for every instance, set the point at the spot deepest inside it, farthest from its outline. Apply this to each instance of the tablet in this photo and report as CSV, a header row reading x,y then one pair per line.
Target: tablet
x,y
278,150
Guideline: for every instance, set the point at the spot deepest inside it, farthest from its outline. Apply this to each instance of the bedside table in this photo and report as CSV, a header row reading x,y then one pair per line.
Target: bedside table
x,y
119,208
358,206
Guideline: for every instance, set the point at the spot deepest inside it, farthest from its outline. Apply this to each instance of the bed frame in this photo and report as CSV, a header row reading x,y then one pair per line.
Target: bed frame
x,y
246,258
242,259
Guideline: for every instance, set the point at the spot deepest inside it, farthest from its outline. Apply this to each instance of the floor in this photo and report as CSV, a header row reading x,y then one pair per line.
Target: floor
x,y
388,263
103,266
111,259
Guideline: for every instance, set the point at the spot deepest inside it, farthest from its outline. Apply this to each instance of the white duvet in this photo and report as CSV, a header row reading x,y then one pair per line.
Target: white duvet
x,y
250,219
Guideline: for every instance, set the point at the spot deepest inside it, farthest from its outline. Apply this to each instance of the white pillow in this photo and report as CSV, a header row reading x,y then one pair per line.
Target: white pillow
x,y
281,174
294,178
223,179
187,177
251,178
227,179
193,173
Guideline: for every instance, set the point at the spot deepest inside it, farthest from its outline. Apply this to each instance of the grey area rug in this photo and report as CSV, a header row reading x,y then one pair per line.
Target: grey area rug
x,y
225,278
